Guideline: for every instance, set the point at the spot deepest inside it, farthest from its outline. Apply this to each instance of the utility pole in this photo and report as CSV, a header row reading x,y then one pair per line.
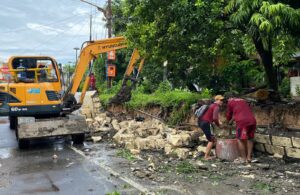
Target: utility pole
x,y
109,18
76,49
107,12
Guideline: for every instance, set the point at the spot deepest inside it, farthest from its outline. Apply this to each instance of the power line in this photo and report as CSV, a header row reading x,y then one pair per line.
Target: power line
x,y
49,24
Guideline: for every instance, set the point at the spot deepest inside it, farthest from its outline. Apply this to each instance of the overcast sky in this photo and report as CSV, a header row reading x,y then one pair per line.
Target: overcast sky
x,y
47,27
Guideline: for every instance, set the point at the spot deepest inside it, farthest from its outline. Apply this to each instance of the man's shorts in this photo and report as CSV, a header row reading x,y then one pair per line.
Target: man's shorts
x,y
207,130
245,133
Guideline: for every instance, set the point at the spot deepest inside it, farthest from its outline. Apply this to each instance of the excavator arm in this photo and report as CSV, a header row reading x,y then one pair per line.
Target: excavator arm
x,y
124,93
87,54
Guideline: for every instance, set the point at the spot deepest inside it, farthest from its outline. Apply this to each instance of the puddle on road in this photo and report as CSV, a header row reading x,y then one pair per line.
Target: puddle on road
x,y
59,144
5,153
3,120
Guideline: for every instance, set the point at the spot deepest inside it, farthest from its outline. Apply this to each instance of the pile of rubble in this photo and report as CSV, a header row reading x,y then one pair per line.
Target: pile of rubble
x,y
154,135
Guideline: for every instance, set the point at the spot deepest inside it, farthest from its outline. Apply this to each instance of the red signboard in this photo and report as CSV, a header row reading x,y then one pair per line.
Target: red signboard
x,y
111,70
111,55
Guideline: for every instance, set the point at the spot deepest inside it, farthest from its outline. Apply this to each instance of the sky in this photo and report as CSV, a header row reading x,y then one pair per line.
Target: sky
x,y
48,27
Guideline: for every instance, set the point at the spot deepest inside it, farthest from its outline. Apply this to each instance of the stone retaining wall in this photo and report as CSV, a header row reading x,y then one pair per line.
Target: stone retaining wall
x,y
277,145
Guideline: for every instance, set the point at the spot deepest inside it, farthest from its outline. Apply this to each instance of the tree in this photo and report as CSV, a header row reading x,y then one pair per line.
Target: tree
x,y
182,32
266,22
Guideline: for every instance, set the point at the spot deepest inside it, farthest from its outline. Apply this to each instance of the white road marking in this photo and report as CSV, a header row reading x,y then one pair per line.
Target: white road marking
x,y
111,171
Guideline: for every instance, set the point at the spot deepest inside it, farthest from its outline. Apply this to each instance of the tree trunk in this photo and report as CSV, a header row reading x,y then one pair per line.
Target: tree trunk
x,y
267,61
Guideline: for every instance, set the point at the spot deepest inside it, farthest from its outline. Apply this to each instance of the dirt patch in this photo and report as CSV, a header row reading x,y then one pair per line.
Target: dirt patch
x,y
168,175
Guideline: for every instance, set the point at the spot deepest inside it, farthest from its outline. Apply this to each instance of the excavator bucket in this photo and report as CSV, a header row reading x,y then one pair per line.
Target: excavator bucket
x,y
124,94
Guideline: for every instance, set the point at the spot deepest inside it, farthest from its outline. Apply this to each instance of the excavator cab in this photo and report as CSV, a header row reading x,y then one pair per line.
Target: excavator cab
x,y
34,69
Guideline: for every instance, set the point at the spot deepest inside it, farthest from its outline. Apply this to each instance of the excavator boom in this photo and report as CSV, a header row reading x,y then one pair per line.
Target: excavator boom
x,y
87,54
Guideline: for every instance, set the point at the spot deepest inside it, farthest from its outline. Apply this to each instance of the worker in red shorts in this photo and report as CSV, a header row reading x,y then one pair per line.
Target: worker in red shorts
x,y
239,110
210,117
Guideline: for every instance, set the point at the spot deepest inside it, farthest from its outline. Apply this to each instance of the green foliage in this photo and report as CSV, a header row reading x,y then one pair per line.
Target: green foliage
x,y
185,167
170,30
148,86
125,153
99,70
270,24
179,114
285,88
243,74
164,87
198,37
179,100
106,93
298,90
263,186
113,193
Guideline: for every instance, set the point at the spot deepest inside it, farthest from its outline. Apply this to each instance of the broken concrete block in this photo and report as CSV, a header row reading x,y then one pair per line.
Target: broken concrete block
x,y
145,132
141,143
88,115
115,125
195,135
162,127
156,142
89,120
108,119
271,149
182,139
277,155
120,138
123,124
182,153
99,119
169,149
296,142
86,111
102,129
96,138
97,105
172,131
201,149
154,131
281,141
101,115
264,139
142,132
293,152
130,145
96,124
151,142
134,151
259,147
202,138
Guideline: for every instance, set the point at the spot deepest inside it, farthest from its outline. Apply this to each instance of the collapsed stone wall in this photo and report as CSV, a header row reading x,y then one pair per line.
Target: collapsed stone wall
x,y
277,132
148,134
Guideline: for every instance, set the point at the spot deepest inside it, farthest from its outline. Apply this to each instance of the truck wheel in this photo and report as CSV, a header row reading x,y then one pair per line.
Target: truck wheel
x,y
13,122
23,143
78,138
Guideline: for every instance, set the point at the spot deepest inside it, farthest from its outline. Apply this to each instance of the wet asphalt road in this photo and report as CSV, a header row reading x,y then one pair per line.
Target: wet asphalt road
x,y
34,171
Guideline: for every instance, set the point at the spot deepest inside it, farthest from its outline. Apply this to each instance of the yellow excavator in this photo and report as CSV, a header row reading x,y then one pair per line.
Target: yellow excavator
x,y
35,103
